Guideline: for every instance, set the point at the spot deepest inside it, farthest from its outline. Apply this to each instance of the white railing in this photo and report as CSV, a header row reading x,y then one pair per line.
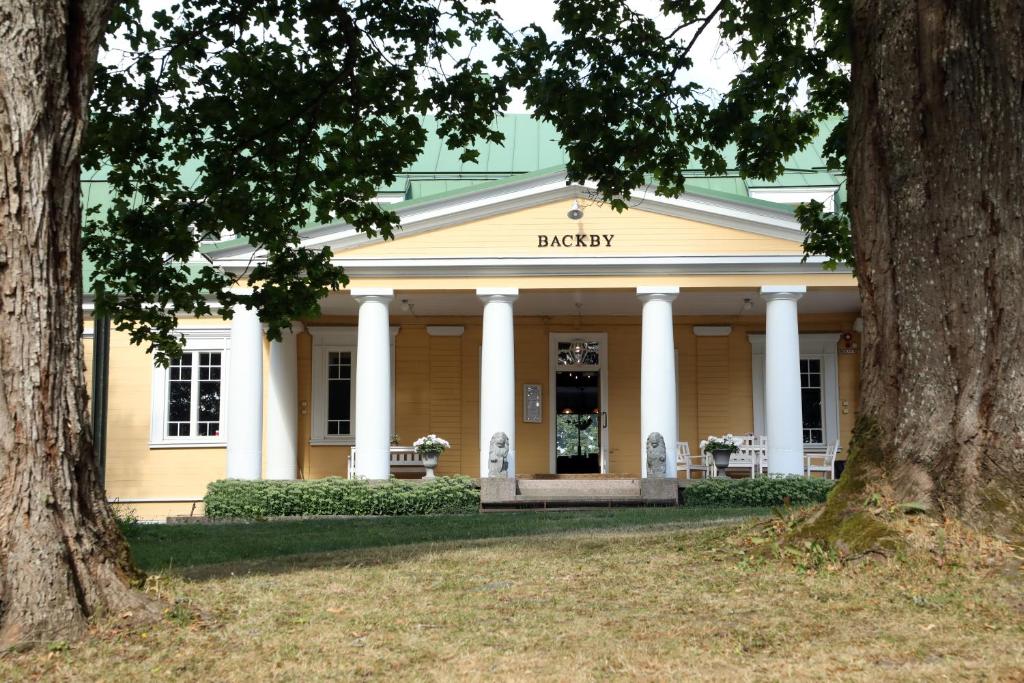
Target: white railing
x,y
401,457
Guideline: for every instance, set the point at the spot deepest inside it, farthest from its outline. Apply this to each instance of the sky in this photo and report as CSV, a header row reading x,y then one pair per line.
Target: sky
x,y
714,63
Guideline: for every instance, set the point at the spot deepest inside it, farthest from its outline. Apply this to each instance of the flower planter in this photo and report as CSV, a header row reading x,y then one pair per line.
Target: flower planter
x,y
429,462
429,448
722,458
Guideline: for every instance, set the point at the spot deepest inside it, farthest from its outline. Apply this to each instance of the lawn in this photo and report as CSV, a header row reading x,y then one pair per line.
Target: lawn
x,y
162,547
637,595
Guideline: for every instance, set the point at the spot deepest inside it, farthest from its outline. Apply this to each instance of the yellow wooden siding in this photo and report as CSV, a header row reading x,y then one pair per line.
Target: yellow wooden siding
x,y
471,338
849,393
444,393
134,470
686,383
623,363
159,511
714,414
634,232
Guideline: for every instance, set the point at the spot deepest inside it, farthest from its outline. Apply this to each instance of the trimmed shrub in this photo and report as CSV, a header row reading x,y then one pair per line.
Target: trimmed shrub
x,y
338,496
759,492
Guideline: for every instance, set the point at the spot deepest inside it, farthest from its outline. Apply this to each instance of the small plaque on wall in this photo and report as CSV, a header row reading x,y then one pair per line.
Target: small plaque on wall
x,y
531,403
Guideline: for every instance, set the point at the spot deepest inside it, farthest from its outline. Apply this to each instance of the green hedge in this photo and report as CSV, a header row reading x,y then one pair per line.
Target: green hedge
x,y
759,492
337,496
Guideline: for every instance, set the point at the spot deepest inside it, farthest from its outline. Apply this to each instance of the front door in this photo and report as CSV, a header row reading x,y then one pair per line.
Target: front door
x,y
580,418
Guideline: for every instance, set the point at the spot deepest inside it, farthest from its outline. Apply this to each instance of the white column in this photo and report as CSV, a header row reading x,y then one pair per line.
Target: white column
x,y
497,374
373,384
245,396
658,374
282,407
783,412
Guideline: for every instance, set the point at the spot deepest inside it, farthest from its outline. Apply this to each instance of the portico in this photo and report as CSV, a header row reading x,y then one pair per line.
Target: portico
x,y
464,363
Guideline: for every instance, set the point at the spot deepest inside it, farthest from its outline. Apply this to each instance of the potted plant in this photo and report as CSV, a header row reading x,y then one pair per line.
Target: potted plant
x,y
430,448
721,449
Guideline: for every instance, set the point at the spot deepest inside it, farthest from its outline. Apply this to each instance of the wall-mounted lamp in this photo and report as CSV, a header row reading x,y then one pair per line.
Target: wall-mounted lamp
x,y
575,212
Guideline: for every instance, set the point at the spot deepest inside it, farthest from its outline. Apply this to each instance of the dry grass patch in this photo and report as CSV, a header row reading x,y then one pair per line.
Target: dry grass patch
x,y
653,605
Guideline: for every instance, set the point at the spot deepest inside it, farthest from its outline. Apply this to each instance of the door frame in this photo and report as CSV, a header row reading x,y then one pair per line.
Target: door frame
x,y
602,367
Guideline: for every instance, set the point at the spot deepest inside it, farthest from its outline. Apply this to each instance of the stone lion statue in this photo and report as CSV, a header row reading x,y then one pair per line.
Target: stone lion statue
x,y
497,459
656,455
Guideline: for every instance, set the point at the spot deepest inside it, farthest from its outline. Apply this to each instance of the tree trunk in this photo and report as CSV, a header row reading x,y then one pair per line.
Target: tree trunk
x,y
936,155
62,557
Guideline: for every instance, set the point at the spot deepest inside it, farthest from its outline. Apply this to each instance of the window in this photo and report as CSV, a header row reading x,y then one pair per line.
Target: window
x,y
811,400
819,387
578,352
189,402
333,409
340,388
193,394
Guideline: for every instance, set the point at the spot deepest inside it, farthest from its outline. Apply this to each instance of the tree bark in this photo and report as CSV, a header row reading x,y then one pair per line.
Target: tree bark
x,y
62,556
936,181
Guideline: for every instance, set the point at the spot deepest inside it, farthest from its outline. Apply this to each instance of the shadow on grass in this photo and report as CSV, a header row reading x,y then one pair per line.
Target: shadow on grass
x,y
204,551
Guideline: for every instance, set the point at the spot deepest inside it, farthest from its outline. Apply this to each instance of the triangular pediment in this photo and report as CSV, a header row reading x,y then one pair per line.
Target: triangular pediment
x,y
546,230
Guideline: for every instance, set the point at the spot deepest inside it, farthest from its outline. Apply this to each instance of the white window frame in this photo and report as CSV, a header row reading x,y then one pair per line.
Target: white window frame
x,y
823,347
343,339
821,388
216,339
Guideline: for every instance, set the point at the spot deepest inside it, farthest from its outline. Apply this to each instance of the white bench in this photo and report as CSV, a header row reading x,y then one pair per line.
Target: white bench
x,y
402,457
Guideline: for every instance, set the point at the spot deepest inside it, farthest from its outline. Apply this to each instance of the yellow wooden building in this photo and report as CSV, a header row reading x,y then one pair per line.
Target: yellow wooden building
x,y
510,302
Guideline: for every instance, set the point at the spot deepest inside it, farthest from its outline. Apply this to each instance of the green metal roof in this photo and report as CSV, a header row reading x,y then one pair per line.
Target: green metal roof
x,y
530,147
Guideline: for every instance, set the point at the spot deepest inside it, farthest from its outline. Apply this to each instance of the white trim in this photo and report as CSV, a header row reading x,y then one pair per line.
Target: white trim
x,y
649,290
445,330
773,264
487,292
820,345
337,338
333,335
384,292
773,290
773,221
602,367
203,442
342,440
793,264
712,330
196,339
325,341
826,194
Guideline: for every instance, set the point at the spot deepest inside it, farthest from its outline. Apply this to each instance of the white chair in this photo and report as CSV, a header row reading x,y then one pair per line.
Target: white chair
x,y
822,462
689,463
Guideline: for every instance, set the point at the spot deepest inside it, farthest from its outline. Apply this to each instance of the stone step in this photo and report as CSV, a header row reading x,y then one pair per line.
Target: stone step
x,y
577,489
521,503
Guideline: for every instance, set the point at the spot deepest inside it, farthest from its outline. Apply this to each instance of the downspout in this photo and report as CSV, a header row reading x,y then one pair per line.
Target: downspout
x,y
100,382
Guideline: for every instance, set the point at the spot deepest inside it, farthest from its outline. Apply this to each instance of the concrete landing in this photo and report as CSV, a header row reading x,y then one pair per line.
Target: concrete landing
x,y
575,492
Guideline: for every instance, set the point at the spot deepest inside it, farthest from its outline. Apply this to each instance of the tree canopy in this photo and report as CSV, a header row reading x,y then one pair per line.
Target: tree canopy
x,y
293,114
